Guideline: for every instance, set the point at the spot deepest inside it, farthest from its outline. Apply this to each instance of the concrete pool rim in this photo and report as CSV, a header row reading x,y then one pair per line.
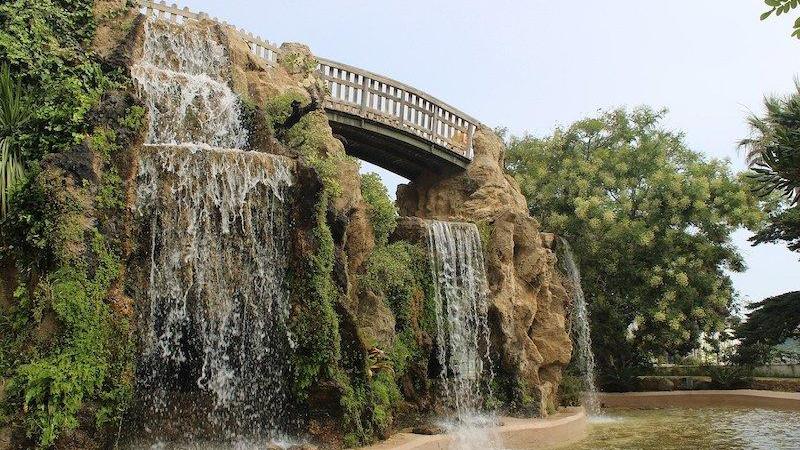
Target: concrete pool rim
x,y
740,398
566,427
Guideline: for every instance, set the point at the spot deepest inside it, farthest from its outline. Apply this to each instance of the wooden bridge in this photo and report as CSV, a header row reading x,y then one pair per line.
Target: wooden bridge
x,y
379,120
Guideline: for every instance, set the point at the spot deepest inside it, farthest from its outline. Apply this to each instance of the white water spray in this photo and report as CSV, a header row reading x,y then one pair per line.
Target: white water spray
x,y
216,341
184,73
462,338
581,331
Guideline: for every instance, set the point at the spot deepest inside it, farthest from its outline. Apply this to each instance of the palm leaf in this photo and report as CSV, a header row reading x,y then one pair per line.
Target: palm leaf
x,y
14,111
773,150
11,175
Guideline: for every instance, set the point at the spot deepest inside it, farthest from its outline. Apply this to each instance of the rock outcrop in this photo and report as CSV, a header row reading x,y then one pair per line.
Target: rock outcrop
x,y
360,309
527,297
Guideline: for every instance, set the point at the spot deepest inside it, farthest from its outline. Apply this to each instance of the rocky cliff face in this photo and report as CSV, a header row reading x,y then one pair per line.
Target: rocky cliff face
x,y
350,328
530,342
360,309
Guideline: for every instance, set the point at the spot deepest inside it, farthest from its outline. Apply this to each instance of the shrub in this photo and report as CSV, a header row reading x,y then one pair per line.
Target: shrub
x,y
570,392
620,376
730,377
381,209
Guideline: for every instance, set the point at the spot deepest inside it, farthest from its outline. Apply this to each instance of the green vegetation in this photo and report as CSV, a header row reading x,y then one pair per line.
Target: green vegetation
x,y
779,7
66,347
316,325
14,113
730,377
47,43
367,388
382,212
310,137
54,385
770,323
773,152
651,222
279,107
570,391
400,274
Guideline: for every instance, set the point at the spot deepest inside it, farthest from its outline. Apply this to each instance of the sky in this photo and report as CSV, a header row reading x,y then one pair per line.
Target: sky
x,y
534,65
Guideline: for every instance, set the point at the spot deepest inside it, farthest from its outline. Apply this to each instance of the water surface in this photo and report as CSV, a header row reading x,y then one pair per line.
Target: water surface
x,y
708,428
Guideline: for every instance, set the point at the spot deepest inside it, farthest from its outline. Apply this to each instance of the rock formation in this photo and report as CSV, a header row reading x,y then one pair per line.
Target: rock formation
x,y
359,309
527,297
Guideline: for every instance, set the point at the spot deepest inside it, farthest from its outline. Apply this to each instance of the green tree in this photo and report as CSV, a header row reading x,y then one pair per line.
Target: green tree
x,y
773,152
771,322
779,7
650,223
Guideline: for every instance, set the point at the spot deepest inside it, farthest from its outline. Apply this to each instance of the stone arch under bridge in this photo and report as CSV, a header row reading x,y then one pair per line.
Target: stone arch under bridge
x,y
379,120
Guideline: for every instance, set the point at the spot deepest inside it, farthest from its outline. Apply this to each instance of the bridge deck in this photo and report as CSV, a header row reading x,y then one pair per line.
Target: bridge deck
x,y
380,120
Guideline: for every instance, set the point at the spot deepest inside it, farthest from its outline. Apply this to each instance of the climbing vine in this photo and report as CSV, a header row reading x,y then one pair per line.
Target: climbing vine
x,y
66,348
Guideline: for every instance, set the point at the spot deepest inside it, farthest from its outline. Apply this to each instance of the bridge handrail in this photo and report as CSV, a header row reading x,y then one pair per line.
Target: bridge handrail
x,y
360,92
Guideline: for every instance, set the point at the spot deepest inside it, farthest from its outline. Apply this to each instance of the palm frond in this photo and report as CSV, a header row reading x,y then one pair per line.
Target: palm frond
x,y
773,150
11,175
14,110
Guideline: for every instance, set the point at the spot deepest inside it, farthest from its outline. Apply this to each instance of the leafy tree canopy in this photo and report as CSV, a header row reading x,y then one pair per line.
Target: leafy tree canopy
x,y
650,222
771,322
779,7
773,152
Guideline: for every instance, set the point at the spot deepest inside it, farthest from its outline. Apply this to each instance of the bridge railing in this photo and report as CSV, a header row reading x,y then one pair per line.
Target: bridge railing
x,y
375,97
359,92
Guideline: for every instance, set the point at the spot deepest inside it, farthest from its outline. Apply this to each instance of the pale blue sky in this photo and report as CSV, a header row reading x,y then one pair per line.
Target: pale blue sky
x,y
533,65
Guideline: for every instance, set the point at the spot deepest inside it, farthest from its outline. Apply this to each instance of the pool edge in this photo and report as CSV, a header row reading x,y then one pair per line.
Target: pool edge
x,y
746,398
566,427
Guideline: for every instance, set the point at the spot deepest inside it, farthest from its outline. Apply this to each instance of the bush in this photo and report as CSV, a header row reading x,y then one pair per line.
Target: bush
x,y
381,209
399,272
620,377
47,42
570,392
730,377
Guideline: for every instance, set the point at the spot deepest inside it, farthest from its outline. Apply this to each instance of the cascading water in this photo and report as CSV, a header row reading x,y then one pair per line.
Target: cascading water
x,y
184,74
215,338
581,331
462,339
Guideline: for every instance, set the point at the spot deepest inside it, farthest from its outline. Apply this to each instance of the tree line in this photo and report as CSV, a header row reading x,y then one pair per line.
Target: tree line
x,y
651,222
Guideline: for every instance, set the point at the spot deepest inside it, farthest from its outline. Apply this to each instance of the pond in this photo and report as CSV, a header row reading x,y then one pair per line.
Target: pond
x,y
707,428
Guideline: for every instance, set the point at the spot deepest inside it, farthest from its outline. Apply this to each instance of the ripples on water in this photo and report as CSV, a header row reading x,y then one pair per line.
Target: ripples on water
x,y
694,429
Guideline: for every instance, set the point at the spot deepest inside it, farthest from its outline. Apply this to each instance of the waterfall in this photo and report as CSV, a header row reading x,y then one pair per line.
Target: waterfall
x,y
581,331
184,72
215,340
462,338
